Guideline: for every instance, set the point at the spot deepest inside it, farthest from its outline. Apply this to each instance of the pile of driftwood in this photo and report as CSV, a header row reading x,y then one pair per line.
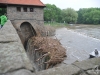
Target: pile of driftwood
x,y
51,50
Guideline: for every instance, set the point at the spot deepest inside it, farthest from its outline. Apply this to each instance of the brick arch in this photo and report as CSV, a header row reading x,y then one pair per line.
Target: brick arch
x,y
27,32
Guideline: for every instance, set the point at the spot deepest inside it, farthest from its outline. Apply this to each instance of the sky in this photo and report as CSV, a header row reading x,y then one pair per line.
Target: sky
x,y
75,4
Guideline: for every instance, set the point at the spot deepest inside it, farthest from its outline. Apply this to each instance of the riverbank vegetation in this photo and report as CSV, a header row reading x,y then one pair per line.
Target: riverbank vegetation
x,y
70,16
89,16
55,24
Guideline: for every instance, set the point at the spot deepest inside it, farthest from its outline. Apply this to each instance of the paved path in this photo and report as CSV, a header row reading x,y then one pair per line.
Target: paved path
x,y
78,45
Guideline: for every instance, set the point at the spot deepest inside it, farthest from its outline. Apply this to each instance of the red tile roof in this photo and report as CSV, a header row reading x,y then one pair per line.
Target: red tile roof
x,y
23,2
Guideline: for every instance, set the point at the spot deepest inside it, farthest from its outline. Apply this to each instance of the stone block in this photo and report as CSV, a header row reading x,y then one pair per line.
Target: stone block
x,y
61,70
21,72
88,64
12,53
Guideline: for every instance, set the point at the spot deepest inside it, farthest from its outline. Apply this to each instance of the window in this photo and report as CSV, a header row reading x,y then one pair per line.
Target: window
x,y
25,9
18,9
31,9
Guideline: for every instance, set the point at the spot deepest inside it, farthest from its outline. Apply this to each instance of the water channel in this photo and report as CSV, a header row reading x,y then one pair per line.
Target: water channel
x,y
79,41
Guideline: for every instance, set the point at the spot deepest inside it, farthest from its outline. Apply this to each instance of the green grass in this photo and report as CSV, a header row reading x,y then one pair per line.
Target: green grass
x,y
59,25
56,25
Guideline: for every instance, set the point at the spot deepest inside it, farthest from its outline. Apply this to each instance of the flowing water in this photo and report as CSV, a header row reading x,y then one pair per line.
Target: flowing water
x,y
79,41
90,30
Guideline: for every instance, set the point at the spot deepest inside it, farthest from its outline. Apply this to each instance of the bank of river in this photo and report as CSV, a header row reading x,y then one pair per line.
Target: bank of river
x,y
78,42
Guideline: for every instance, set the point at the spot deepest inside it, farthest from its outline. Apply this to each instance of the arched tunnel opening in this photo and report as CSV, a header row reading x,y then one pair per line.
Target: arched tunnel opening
x,y
27,32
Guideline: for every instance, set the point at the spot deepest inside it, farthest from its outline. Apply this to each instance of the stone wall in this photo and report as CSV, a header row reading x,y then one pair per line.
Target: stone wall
x,y
13,14
38,27
35,24
35,18
12,54
86,67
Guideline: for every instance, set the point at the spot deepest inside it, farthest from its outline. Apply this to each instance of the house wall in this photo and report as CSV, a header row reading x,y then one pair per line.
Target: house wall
x,y
35,18
13,14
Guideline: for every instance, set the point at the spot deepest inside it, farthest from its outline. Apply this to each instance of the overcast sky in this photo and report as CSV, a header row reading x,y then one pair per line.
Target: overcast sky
x,y
75,4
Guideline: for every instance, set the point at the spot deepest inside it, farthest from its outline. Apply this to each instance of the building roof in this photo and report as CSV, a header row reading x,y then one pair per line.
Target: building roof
x,y
23,2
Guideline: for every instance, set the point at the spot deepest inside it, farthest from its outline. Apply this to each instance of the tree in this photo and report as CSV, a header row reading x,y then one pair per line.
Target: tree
x,y
95,16
52,13
89,16
69,15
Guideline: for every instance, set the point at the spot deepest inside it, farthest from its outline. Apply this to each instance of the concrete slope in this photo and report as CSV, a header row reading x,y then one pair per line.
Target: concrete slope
x,y
12,53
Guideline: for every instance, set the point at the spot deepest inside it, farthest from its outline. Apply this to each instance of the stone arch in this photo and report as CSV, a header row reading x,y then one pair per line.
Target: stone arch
x,y
27,32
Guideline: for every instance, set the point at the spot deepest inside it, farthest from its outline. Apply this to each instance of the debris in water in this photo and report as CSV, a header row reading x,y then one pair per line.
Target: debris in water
x,y
51,50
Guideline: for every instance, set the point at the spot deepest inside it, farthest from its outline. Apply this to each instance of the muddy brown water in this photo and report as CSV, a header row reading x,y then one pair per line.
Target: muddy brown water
x,y
79,41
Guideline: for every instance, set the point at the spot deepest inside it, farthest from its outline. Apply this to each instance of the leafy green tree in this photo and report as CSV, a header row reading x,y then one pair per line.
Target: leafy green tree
x,y
89,16
52,13
80,15
95,16
69,15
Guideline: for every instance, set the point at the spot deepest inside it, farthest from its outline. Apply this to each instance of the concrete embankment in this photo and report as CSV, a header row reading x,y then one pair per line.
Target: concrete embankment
x,y
12,53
